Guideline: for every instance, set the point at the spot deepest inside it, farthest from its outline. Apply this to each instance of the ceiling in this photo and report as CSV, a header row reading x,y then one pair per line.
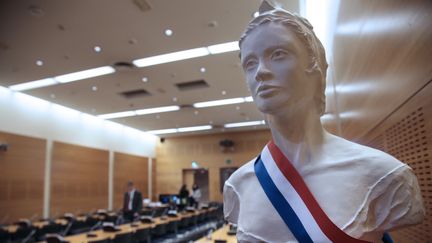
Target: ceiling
x,y
381,53
63,34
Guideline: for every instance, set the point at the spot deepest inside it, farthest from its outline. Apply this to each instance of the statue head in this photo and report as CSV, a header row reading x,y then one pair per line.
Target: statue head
x,y
298,44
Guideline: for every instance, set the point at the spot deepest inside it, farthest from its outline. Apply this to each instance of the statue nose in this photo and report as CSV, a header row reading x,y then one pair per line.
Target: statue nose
x,y
263,73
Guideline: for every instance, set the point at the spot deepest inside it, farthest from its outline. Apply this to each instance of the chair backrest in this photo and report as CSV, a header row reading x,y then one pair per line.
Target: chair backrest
x,y
55,238
142,234
123,238
100,241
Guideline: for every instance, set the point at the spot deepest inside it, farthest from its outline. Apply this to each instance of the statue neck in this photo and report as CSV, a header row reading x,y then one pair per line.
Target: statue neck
x,y
298,135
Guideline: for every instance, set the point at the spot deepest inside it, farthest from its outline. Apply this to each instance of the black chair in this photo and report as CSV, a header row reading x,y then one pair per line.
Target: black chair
x,y
55,238
143,235
78,227
4,235
193,221
23,234
100,241
172,227
184,223
123,238
159,230
48,229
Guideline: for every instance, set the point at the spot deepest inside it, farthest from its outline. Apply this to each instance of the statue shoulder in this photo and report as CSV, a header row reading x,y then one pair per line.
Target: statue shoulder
x,y
346,151
242,174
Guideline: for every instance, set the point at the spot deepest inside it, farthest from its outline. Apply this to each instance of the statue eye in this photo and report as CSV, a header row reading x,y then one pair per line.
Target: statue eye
x,y
249,64
278,54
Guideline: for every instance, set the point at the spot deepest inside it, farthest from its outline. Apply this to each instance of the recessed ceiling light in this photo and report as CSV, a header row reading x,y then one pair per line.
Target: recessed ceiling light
x,y
94,88
196,128
203,70
89,73
181,129
144,79
171,57
256,14
97,49
219,102
33,84
39,62
224,47
244,124
118,115
168,32
157,110
163,131
223,92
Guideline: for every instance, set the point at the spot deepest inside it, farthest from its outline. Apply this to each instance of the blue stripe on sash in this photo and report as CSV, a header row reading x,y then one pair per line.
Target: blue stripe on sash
x,y
281,205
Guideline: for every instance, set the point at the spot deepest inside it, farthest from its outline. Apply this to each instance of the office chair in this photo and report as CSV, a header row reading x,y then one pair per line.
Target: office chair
x,y
123,238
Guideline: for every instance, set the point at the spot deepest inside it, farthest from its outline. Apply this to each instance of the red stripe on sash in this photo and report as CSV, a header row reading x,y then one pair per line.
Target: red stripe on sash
x,y
327,226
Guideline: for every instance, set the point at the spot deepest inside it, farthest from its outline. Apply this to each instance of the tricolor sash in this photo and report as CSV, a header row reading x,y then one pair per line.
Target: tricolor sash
x,y
292,199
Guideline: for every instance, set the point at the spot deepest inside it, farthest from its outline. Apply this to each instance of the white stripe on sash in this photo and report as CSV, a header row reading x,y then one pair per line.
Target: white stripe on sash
x,y
292,197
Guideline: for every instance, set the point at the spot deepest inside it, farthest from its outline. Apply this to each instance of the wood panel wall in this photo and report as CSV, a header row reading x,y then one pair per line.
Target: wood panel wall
x,y
129,168
177,153
382,55
22,170
79,179
407,135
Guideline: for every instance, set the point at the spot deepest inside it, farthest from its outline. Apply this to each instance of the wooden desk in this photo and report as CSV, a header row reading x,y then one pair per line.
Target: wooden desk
x,y
38,224
220,234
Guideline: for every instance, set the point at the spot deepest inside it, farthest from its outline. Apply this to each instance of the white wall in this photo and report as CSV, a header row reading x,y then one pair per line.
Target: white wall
x,y
30,116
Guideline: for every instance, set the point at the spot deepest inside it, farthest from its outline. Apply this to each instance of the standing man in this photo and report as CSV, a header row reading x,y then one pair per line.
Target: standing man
x,y
132,203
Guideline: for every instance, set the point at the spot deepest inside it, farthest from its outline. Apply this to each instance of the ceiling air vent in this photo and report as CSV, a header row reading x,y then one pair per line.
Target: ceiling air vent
x,y
123,66
135,93
190,85
143,5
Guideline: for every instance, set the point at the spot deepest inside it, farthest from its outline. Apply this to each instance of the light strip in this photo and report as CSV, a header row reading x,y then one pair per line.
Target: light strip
x,y
224,47
118,115
163,131
244,124
187,54
197,128
33,84
143,62
218,102
89,73
157,110
182,129
222,102
171,57
175,108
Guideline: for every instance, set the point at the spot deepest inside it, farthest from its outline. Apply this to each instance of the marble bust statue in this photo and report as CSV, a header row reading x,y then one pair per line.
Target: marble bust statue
x,y
362,191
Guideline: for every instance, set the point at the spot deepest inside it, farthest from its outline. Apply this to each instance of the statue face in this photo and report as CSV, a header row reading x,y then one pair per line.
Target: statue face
x,y
275,61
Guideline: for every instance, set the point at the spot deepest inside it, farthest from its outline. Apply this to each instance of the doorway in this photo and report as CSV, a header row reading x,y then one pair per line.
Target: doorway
x,y
199,177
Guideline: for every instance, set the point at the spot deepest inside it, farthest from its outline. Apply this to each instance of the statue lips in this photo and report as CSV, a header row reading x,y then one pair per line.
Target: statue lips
x,y
265,90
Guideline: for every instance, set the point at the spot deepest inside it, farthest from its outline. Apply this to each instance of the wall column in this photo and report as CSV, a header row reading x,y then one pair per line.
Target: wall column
x,y
150,179
110,180
47,180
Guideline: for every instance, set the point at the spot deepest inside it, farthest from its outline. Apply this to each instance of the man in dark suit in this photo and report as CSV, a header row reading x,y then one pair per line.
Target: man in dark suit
x,y
132,203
